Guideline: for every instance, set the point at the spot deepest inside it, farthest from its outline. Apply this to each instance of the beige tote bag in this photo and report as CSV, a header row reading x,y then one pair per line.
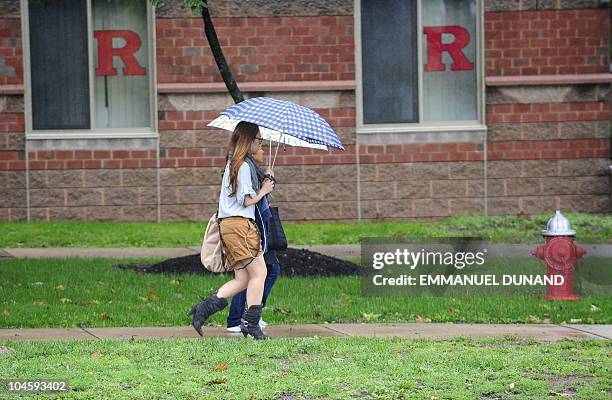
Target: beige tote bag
x,y
212,256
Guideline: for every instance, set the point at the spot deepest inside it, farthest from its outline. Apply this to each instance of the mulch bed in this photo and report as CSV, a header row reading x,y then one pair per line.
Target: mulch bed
x,y
294,262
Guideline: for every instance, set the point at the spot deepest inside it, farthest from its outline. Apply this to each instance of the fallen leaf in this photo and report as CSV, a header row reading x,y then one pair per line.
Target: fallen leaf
x,y
451,309
345,296
65,300
96,354
153,296
221,367
59,287
533,319
218,381
6,313
128,386
38,302
104,314
594,307
175,282
418,318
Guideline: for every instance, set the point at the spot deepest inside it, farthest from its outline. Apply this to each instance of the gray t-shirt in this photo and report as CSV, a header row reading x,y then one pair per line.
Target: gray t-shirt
x,y
233,206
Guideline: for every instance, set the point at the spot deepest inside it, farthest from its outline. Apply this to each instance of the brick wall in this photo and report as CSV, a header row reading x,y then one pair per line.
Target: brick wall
x,y
546,42
98,194
258,49
11,67
558,160
12,164
548,146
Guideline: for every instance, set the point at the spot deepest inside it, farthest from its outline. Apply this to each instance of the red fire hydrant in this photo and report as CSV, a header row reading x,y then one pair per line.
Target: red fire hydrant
x,y
560,255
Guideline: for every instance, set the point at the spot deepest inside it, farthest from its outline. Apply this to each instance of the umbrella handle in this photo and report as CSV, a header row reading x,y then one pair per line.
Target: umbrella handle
x,y
270,153
276,153
270,177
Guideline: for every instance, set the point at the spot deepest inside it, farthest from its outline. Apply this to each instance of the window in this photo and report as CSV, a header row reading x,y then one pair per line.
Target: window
x,y
91,68
419,65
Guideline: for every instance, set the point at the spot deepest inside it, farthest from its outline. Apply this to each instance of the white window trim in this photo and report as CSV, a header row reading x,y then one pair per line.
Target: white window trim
x,y
446,126
92,133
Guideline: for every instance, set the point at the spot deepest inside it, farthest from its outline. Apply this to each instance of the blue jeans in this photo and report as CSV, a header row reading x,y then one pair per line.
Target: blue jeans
x,y
239,300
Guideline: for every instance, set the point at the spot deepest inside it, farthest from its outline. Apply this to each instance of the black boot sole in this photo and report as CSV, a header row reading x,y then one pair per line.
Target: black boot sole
x,y
247,334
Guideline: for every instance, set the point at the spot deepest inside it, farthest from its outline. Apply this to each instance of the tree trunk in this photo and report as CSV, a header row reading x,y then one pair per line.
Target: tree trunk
x,y
226,74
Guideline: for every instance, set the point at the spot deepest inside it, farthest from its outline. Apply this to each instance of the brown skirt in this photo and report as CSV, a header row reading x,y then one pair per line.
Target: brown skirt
x,y
241,240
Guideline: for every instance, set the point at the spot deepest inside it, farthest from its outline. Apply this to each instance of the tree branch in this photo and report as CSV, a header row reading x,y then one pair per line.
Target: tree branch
x,y
215,47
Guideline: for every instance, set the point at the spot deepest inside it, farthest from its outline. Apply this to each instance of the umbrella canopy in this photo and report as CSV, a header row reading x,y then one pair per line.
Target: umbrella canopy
x,y
225,122
284,121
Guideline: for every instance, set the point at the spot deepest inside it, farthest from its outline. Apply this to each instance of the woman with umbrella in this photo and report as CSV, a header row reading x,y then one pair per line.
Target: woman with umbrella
x,y
236,308
241,190
243,193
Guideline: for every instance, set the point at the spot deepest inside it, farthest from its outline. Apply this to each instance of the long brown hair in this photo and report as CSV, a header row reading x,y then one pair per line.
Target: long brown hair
x,y
240,143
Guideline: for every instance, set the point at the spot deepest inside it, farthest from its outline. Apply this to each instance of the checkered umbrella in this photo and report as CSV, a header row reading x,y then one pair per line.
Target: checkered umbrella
x,y
281,121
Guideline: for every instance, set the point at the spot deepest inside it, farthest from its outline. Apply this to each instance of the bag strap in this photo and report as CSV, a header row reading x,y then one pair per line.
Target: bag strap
x,y
223,256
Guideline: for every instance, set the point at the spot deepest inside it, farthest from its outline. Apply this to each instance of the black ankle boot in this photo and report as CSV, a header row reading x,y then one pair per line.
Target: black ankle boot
x,y
201,311
249,323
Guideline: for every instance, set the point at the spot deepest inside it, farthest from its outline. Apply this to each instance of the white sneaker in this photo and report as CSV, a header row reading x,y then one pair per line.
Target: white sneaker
x,y
262,323
234,329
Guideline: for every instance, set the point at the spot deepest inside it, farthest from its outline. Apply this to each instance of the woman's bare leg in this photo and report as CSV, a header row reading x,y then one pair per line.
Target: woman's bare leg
x,y
236,285
257,276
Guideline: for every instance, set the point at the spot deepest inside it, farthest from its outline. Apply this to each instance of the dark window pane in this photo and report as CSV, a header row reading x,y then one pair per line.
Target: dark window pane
x,y
389,61
59,70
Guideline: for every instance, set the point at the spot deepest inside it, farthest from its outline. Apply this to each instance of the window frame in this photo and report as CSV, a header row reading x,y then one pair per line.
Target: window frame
x,y
428,126
92,132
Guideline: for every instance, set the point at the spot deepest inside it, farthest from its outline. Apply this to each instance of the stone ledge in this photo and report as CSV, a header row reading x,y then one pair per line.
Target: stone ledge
x,y
259,8
93,144
527,80
540,5
11,89
288,86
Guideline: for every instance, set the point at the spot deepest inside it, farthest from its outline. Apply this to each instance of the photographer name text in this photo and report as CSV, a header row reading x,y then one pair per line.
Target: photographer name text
x,y
469,280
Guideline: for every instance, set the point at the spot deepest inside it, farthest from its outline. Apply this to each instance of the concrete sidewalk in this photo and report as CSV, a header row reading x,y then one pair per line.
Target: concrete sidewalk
x,y
333,250
547,332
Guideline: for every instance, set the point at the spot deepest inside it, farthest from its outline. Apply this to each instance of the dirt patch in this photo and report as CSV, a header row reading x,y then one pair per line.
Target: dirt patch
x,y
567,379
294,262
564,386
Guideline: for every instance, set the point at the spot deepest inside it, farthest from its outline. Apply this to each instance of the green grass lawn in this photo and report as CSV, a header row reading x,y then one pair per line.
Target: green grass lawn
x,y
66,293
322,368
589,227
